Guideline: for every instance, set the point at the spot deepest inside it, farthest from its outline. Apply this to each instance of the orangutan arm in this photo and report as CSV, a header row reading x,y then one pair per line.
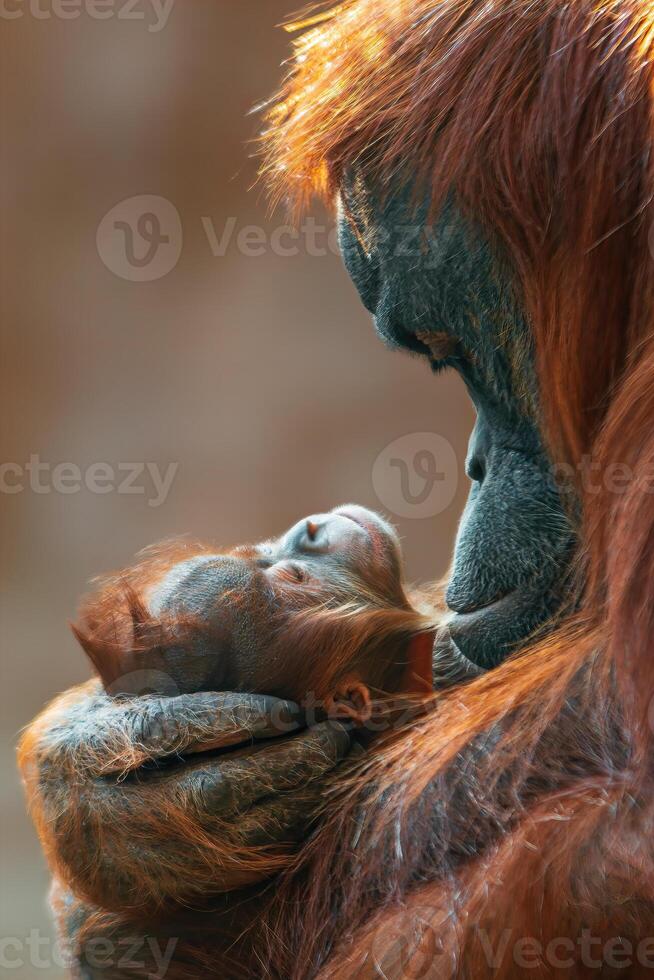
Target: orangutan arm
x,y
129,820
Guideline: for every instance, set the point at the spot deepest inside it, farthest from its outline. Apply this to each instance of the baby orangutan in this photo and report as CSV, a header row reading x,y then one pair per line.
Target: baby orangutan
x,y
319,613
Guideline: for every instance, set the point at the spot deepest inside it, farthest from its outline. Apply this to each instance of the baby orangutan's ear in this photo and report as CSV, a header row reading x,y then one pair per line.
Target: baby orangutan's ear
x,y
350,700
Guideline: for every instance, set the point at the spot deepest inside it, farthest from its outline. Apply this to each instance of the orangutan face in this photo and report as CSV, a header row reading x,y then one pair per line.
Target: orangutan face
x,y
244,603
438,289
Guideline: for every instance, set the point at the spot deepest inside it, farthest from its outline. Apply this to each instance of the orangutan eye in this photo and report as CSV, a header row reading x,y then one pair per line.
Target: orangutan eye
x,y
289,571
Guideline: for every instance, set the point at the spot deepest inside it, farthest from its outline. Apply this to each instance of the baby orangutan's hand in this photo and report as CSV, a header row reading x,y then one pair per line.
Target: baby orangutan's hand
x,y
138,803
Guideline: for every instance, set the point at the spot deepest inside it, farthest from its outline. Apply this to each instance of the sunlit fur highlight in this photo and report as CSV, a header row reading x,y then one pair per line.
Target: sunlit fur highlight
x,y
529,112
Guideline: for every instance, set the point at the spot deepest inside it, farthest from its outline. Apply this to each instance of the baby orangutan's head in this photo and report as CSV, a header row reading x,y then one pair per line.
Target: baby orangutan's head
x,y
319,613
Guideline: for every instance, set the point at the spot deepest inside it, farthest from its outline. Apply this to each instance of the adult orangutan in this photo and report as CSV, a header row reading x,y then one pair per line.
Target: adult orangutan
x,y
507,832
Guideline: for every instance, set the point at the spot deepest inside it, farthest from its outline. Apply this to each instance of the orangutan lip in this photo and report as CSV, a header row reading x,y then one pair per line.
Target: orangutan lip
x,y
451,666
374,532
354,520
367,526
479,612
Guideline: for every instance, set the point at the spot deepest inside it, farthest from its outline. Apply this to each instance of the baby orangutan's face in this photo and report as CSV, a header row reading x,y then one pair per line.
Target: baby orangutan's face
x,y
301,616
351,550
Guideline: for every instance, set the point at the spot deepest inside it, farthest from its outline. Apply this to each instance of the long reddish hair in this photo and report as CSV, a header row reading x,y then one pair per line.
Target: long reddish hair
x,y
525,797
539,117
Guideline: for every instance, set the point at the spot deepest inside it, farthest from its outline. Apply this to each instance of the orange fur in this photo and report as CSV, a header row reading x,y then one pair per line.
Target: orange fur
x,y
524,797
539,117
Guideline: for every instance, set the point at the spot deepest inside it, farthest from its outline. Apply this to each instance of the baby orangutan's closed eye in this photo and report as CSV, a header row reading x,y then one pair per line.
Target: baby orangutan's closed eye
x,y
318,616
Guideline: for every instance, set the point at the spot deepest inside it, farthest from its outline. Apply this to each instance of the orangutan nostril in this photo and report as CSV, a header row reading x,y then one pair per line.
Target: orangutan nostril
x,y
312,530
476,469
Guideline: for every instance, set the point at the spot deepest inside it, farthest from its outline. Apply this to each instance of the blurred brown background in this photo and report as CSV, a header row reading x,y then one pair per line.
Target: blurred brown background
x,y
258,376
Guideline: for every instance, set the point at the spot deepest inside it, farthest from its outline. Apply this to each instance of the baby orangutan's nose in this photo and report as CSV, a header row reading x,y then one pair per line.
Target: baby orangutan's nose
x,y
312,530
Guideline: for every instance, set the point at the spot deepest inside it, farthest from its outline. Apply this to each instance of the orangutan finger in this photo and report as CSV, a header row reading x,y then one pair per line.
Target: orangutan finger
x,y
230,785
128,734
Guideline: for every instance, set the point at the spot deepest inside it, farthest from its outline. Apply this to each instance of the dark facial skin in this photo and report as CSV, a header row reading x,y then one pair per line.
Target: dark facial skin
x,y
445,295
245,597
351,549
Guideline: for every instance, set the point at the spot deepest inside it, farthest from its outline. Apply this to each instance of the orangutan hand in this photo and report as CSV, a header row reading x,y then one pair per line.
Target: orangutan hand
x,y
138,802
